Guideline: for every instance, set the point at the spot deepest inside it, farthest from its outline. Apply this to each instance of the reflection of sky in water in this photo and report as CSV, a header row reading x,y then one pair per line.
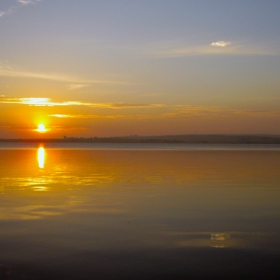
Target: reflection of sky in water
x,y
213,199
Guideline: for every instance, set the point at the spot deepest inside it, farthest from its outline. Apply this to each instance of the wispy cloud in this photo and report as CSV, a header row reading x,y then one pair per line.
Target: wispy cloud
x,y
180,49
77,86
111,116
259,113
27,2
73,82
14,8
146,110
4,66
39,101
9,11
221,111
187,112
60,116
134,105
221,44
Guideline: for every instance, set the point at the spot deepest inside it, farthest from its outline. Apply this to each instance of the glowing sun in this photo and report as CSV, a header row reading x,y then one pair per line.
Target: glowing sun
x,y
41,128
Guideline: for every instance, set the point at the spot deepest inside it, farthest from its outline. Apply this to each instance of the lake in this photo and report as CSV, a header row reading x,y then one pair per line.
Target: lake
x,y
136,211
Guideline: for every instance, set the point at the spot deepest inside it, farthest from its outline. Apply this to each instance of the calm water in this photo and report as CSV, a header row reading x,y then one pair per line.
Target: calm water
x,y
139,212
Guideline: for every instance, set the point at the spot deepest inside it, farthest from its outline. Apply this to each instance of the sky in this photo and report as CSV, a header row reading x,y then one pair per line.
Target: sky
x,y
88,68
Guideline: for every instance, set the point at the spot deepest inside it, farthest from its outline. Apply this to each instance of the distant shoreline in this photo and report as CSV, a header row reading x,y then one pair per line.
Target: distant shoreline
x,y
187,139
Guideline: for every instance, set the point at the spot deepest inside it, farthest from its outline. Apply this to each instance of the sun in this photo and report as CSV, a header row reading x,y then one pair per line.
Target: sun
x,y
41,128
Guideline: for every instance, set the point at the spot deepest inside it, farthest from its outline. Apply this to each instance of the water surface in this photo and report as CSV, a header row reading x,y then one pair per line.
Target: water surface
x,y
142,213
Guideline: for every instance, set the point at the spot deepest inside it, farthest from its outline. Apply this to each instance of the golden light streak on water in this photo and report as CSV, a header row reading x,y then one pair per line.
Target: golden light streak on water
x,y
41,157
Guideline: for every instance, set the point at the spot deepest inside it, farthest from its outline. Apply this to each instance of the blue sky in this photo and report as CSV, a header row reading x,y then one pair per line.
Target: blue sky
x,y
139,67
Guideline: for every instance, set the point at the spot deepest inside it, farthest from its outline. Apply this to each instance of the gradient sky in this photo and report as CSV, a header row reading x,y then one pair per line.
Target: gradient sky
x,y
87,68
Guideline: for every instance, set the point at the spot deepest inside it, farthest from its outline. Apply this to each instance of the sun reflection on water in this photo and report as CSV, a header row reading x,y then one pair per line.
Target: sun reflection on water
x,y
41,157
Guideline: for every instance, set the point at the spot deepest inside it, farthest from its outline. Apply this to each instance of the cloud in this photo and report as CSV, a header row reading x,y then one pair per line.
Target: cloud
x,y
181,49
38,101
13,9
74,82
187,110
166,111
25,2
10,11
221,44
60,116
133,105
259,113
176,111
212,111
77,86
112,116
42,101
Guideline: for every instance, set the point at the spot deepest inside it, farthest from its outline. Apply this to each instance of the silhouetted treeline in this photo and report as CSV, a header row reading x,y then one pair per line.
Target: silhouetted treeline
x,y
191,139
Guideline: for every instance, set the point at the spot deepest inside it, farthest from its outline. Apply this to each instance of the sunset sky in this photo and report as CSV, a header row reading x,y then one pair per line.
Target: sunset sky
x,y
86,68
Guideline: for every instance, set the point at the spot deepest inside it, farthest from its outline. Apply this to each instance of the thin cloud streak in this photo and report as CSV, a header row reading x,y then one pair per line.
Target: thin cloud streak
x,y
221,44
215,48
118,116
73,81
37,101
11,10
169,111
77,86
25,2
184,110
179,111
